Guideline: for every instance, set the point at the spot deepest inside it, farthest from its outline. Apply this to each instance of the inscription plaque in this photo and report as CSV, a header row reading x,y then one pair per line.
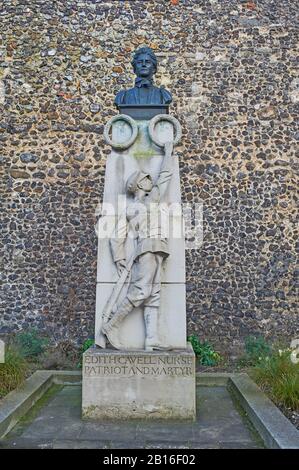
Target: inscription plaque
x,y
138,384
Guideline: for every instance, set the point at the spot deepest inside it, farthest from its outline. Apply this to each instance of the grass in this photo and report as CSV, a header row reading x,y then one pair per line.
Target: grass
x,y
30,343
256,350
28,351
12,372
278,376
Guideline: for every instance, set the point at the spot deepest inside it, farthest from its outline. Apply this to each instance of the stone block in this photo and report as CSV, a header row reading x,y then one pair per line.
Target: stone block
x,y
172,317
120,385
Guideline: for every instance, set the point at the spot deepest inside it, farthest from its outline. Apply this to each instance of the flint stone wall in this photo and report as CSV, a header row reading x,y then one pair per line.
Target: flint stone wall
x,y
231,67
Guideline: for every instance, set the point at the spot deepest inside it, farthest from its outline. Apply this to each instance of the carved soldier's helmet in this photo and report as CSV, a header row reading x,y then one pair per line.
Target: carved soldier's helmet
x,y
133,182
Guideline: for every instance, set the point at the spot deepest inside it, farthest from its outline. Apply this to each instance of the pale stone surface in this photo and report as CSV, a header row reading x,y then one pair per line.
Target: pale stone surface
x,y
172,323
130,382
138,384
146,156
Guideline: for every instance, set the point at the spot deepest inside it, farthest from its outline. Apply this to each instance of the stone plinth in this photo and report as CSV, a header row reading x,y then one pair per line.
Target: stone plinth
x,y
138,384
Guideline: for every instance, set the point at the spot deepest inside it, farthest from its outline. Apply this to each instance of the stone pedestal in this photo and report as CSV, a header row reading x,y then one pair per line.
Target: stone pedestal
x,y
138,384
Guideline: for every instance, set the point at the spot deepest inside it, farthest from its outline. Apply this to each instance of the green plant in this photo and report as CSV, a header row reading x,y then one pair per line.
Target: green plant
x,y
12,371
30,344
57,360
86,345
64,354
256,350
204,351
279,377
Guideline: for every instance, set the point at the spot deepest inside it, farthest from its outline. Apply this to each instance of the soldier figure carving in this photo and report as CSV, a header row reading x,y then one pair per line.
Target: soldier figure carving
x,y
144,218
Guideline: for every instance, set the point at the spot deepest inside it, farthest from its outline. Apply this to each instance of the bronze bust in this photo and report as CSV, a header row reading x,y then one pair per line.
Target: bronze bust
x,y
144,92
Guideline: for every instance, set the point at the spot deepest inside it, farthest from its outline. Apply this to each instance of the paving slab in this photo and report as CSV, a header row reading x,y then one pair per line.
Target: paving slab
x,y
58,424
112,431
27,443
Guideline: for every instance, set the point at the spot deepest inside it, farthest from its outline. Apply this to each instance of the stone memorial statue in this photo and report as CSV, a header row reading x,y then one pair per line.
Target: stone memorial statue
x,y
144,92
140,297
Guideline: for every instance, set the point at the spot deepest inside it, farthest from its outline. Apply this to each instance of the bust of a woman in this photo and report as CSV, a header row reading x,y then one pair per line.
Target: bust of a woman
x,y
144,92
